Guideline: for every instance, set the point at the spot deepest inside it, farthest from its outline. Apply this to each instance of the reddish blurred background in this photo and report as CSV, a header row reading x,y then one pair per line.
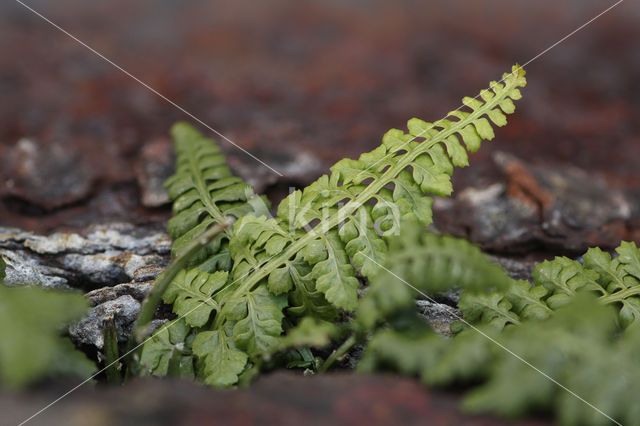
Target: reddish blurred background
x,y
300,85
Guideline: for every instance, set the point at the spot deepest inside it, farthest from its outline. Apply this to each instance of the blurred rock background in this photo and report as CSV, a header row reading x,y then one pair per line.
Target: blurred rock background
x,y
299,85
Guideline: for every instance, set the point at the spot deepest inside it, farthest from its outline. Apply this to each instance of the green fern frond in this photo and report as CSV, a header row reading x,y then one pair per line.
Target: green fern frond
x,y
168,351
396,175
494,309
616,281
423,262
337,224
204,192
257,320
310,332
191,293
577,324
220,363
308,257
587,353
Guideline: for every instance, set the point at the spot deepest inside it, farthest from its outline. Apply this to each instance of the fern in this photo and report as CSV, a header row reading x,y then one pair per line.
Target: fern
x,y
168,351
576,324
205,192
322,234
586,353
308,258
221,363
190,292
418,262
412,163
616,281
310,332
423,262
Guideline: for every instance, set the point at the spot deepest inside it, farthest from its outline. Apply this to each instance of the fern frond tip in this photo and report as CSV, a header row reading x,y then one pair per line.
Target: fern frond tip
x,y
517,74
183,130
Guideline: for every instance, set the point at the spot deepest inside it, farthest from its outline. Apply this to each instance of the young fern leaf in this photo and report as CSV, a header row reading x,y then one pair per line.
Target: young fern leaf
x,y
385,186
258,320
191,293
311,250
220,362
168,351
556,283
423,262
308,256
204,192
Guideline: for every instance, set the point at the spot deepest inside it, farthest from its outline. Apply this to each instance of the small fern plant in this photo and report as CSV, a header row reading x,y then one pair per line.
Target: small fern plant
x,y
576,324
555,283
266,272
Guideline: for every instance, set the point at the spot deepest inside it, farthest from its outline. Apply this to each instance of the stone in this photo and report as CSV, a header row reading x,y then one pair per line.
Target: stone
x,y
518,269
136,290
88,331
109,267
23,268
439,315
116,262
97,256
155,165
47,174
539,206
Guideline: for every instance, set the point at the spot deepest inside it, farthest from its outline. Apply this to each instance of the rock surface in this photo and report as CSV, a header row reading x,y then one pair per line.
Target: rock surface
x,y
439,315
102,255
116,262
89,330
541,208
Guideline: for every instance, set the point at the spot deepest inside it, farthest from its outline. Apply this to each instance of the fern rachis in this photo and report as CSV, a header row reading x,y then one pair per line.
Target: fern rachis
x,y
389,176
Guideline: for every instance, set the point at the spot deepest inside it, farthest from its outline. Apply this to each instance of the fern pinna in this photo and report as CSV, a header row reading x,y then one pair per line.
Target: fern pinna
x,y
307,258
615,281
204,192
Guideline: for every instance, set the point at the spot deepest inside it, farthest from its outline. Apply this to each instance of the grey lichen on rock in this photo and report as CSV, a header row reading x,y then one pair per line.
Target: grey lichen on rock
x,y
98,256
23,268
123,310
116,263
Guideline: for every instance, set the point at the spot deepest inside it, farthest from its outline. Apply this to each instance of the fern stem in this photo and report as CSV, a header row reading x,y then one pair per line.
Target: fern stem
x,y
269,265
152,301
338,353
620,296
111,352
